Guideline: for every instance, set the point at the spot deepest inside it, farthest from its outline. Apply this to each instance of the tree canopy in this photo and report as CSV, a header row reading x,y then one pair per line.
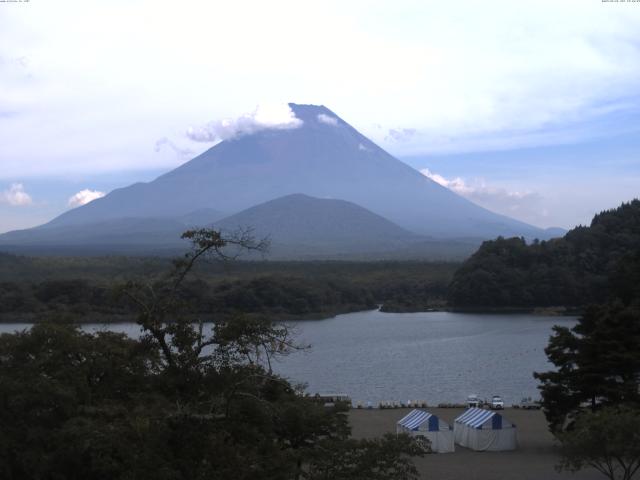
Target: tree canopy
x,y
180,402
597,363
592,397
607,440
573,271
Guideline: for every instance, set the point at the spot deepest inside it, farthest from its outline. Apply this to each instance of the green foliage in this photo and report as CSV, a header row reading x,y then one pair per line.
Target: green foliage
x,y
377,459
598,363
571,271
85,406
181,402
276,290
607,440
289,296
56,382
625,280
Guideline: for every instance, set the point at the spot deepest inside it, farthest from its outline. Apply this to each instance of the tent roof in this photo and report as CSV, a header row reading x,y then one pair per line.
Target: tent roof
x,y
476,417
415,419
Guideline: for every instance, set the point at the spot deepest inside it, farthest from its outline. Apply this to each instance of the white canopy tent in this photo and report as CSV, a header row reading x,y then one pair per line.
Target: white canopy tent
x,y
484,430
419,423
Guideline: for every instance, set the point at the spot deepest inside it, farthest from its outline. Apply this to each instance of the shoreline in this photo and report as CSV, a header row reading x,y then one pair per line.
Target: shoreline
x,y
108,319
556,311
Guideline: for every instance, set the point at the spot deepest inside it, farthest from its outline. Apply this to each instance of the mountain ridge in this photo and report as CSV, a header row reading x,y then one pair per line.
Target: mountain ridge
x,y
325,157
298,226
318,159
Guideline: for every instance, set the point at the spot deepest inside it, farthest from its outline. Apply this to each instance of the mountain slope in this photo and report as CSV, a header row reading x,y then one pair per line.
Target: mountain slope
x,y
328,226
122,235
298,226
321,159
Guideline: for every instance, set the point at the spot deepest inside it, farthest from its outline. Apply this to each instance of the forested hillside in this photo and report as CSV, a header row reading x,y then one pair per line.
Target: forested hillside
x,y
573,271
85,289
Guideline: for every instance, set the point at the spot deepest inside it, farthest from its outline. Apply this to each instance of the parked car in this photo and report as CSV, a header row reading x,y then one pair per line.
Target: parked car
x,y
474,401
528,404
330,399
496,403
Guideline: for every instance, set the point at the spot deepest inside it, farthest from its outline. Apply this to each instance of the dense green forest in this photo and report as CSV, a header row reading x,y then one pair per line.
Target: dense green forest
x,y
87,289
569,272
181,402
573,271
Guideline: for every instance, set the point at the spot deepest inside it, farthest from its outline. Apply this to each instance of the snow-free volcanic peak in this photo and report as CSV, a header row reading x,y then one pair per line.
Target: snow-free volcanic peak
x,y
323,157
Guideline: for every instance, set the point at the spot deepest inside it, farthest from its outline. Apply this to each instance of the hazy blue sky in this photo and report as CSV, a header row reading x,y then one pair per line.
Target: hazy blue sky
x,y
530,108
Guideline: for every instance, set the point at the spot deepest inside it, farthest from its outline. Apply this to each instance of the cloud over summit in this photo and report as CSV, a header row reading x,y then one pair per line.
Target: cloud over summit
x,y
264,117
328,119
165,142
83,197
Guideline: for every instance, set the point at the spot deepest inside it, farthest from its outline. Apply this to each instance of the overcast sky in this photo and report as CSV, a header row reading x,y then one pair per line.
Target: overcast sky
x,y
530,108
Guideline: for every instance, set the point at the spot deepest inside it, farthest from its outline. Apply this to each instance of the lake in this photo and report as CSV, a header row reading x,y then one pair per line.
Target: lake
x,y
432,356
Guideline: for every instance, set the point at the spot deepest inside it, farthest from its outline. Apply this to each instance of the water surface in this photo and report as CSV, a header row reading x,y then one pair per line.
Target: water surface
x,y
432,356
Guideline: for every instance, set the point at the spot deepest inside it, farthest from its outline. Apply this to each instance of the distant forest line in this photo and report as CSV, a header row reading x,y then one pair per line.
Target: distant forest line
x,y
571,272
86,289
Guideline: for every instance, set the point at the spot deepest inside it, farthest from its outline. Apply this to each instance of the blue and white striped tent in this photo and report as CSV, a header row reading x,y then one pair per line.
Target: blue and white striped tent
x,y
425,424
481,430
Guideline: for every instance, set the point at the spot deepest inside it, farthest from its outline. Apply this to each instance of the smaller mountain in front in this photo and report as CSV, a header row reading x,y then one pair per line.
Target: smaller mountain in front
x,y
299,227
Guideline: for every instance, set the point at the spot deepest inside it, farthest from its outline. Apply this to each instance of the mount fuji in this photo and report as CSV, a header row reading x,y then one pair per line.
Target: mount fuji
x,y
322,157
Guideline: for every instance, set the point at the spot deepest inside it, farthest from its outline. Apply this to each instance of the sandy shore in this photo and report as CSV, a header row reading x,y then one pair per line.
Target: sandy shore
x,y
534,459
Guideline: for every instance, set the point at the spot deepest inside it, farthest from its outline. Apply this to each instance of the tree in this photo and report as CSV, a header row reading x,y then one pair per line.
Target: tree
x,y
67,397
181,402
607,440
598,363
625,280
377,459
572,271
161,304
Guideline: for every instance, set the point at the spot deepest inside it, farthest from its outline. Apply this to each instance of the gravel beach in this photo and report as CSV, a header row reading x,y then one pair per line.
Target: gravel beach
x,y
534,459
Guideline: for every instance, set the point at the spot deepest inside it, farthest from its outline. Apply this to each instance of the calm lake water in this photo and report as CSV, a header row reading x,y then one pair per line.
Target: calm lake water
x,y
432,356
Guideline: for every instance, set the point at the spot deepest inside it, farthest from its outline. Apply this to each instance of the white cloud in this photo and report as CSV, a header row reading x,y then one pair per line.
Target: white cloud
x,y
493,74
180,152
400,134
83,197
456,184
477,189
16,196
264,117
362,147
328,119
487,75
525,205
